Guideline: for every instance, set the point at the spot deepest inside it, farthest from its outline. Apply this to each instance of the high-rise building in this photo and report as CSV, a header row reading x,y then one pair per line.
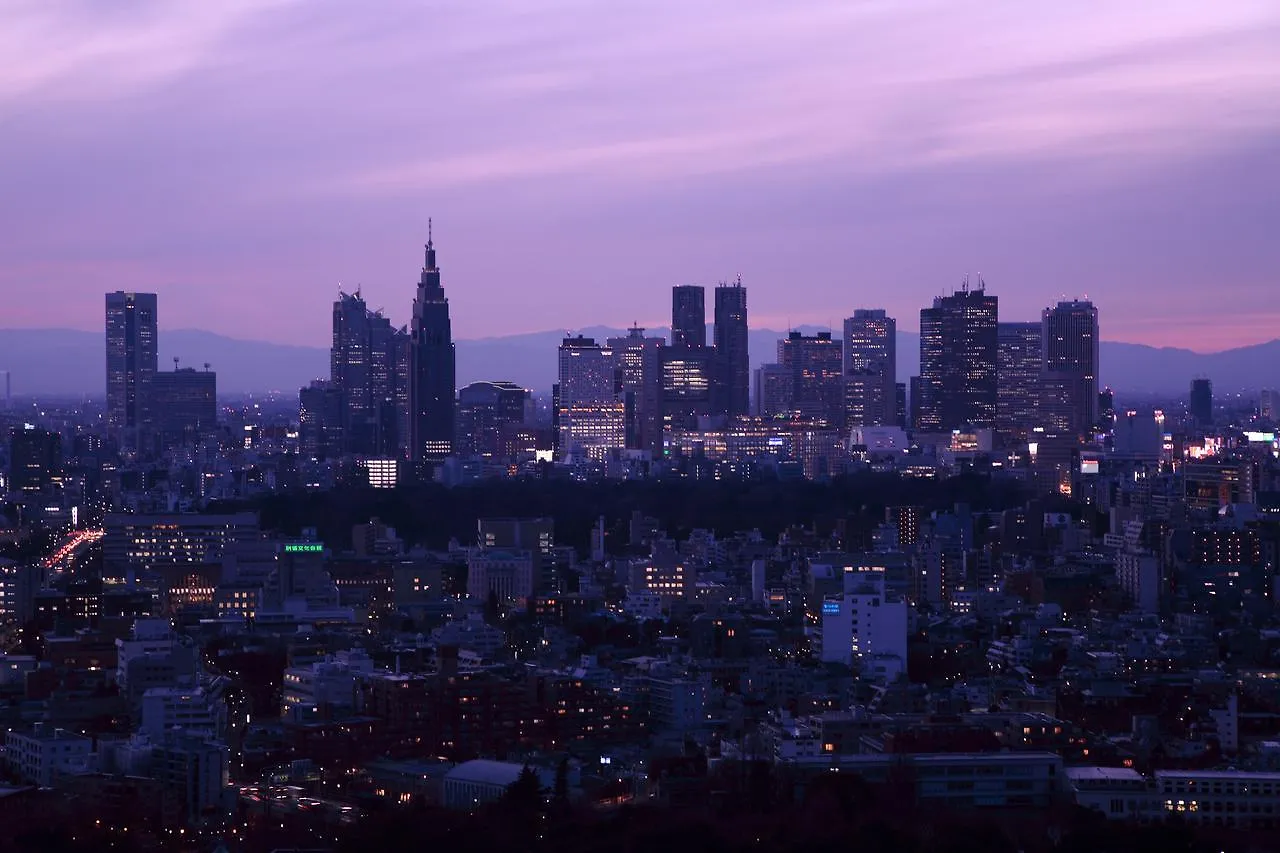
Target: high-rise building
x,y
432,369
773,391
320,418
35,458
1269,404
958,353
870,368
1070,393
484,409
364,362
733,361
1202,402
185,405
815,363
131,363
1020,362
900,393
638,361
688,316
590,417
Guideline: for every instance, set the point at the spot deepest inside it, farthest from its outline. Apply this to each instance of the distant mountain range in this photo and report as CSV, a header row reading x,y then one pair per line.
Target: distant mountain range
x,y
69,362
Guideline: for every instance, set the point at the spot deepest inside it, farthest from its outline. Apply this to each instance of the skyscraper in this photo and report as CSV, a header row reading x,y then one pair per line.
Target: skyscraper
x,y
320,418
958,347
432,370
688,365
688,316
870,368
591,418
815,364
733,362
1020,362
364,363
485,409
1202,402
131,363
638,362
1070,385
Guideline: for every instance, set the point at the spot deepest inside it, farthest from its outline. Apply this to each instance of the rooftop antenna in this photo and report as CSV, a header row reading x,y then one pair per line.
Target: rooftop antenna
x,y
207,365
175,364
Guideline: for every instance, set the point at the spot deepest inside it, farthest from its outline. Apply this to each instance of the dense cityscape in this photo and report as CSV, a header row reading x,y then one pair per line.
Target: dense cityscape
x,y
987,607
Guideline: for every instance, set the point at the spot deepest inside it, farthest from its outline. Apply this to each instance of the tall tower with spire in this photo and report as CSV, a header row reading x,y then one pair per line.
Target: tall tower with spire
x,y
432,371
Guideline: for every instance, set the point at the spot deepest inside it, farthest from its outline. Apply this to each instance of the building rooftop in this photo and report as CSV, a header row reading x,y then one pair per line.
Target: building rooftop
x,y
1104,774
486,772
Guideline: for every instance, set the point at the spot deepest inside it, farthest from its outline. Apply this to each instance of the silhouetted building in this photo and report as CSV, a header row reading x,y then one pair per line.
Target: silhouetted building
x,y
1202,402
773,391
638,362
35,458
1070,339
900,395
320,418
186,405
815,364
1020,363
364,362
870,369
958,354
688,316
732,357
484,408
131,363
432,376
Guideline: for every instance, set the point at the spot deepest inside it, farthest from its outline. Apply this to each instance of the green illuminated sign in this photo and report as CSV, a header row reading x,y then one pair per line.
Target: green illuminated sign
x,y
303,548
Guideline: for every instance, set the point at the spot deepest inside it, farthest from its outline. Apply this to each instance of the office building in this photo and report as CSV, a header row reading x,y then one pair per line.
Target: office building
x,y
484,410
1070,340
131,363
772,395
320,418
41,756
863,626
688,378
590,418
689,367
364,363
136,542
732,357
1201,407
432,376
814,364
870,369
185,405
688,316
35,458
1019,363
638,360
958,355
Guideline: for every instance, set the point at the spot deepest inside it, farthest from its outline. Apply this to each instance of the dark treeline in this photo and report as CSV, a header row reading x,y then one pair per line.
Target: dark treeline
x,y
431,515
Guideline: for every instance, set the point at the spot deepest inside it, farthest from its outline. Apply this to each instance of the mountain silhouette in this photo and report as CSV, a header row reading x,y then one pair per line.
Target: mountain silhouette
x,y
72,363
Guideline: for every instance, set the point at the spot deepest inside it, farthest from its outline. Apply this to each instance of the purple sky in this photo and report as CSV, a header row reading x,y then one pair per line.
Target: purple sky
x,y
579,157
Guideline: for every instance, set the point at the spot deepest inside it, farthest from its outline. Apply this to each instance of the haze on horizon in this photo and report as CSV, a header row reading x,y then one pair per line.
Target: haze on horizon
x,y
241,158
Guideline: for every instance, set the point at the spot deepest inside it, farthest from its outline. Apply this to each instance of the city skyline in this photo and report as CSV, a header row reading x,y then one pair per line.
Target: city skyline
x,y
1114,156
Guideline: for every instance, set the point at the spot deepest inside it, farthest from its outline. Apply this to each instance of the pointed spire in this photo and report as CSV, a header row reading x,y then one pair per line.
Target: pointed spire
x,y
431,251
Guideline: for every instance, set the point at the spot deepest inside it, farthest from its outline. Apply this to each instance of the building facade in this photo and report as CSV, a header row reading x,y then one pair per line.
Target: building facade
x,y
132,344
432,370
958,355
870,368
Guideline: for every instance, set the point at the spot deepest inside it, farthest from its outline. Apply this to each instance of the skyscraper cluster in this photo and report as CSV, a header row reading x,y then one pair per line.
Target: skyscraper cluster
x,y
149,410
629,392
391,391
